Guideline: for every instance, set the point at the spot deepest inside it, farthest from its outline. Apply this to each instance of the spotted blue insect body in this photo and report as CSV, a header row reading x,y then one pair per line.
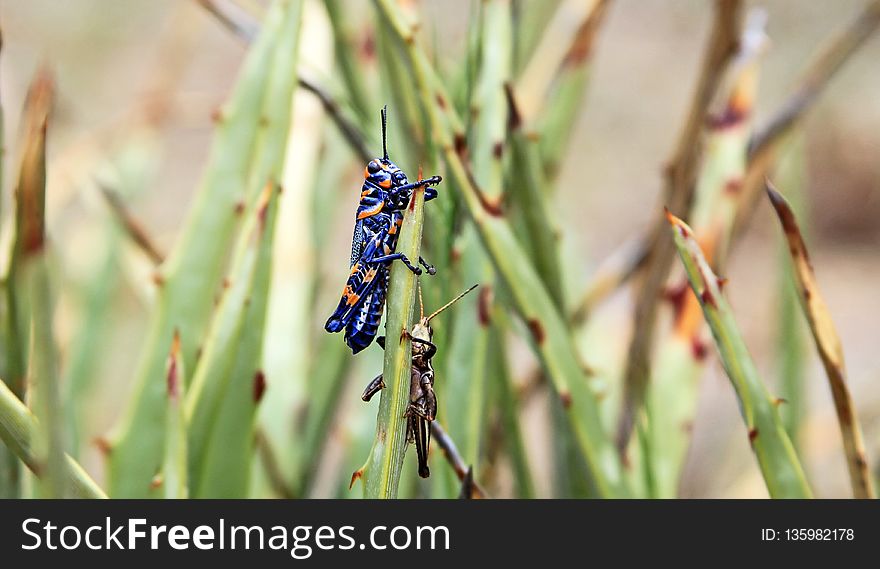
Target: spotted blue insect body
x,y
384,196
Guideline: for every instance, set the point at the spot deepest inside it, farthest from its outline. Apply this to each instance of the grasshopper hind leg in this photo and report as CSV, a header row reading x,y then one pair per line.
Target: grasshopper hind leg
x,y
374,387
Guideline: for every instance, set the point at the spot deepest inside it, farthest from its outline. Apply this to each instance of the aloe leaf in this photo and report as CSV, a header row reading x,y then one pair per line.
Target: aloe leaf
x,y
509,408
33,299
828,346
19,430
777,460
671,396
228,444
244,154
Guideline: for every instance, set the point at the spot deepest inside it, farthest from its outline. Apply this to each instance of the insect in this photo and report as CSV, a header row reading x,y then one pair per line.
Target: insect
x,y
422,400
385,193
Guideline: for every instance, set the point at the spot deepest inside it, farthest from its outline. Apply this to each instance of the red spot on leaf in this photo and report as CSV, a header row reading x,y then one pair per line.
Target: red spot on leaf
x,y
103,445
565,398
173,380
698,349
484,306
708,299
460,145
537,330
733,186
676,296
498,150
259,386
368,46
753,434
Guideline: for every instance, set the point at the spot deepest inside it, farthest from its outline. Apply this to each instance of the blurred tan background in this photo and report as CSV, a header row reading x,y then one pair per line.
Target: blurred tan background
x,y
111,58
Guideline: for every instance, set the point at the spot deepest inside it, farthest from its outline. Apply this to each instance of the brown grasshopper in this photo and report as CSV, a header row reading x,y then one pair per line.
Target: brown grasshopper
x,y
422,401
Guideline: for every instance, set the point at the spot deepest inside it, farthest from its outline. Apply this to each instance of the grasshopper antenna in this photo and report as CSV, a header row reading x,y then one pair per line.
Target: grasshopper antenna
x,y
450,303
384,129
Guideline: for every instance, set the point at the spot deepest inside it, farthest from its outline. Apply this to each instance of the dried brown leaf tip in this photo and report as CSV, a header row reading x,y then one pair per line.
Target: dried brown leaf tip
x,y
514,117
789,223
132,226
582,44
31,191
828,346
355,476
677,223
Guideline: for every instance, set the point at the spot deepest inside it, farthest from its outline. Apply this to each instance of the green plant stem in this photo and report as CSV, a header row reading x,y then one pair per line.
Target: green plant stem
x,y
326,383
175,478
548,332
19,430
513,438
779,464
382,471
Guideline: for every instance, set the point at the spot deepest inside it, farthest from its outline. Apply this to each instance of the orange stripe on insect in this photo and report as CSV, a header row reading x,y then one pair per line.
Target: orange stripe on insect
x,y
372,211
347,291
385,183
371,274
352,299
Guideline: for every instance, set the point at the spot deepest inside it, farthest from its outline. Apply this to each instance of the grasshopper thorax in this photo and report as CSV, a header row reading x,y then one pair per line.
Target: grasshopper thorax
x,y
386,175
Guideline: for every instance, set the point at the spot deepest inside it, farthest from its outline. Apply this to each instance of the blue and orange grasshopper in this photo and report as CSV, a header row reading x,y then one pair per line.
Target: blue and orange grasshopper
x,y
384,196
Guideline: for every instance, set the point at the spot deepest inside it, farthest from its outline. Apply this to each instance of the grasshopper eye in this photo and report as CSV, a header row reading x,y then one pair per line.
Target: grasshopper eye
x,y
373,167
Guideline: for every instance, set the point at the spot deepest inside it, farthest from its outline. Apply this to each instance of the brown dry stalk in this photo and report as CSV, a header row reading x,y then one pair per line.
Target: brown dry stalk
x,y
767,141
131,225
243,26
461,468
677,196
828,345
